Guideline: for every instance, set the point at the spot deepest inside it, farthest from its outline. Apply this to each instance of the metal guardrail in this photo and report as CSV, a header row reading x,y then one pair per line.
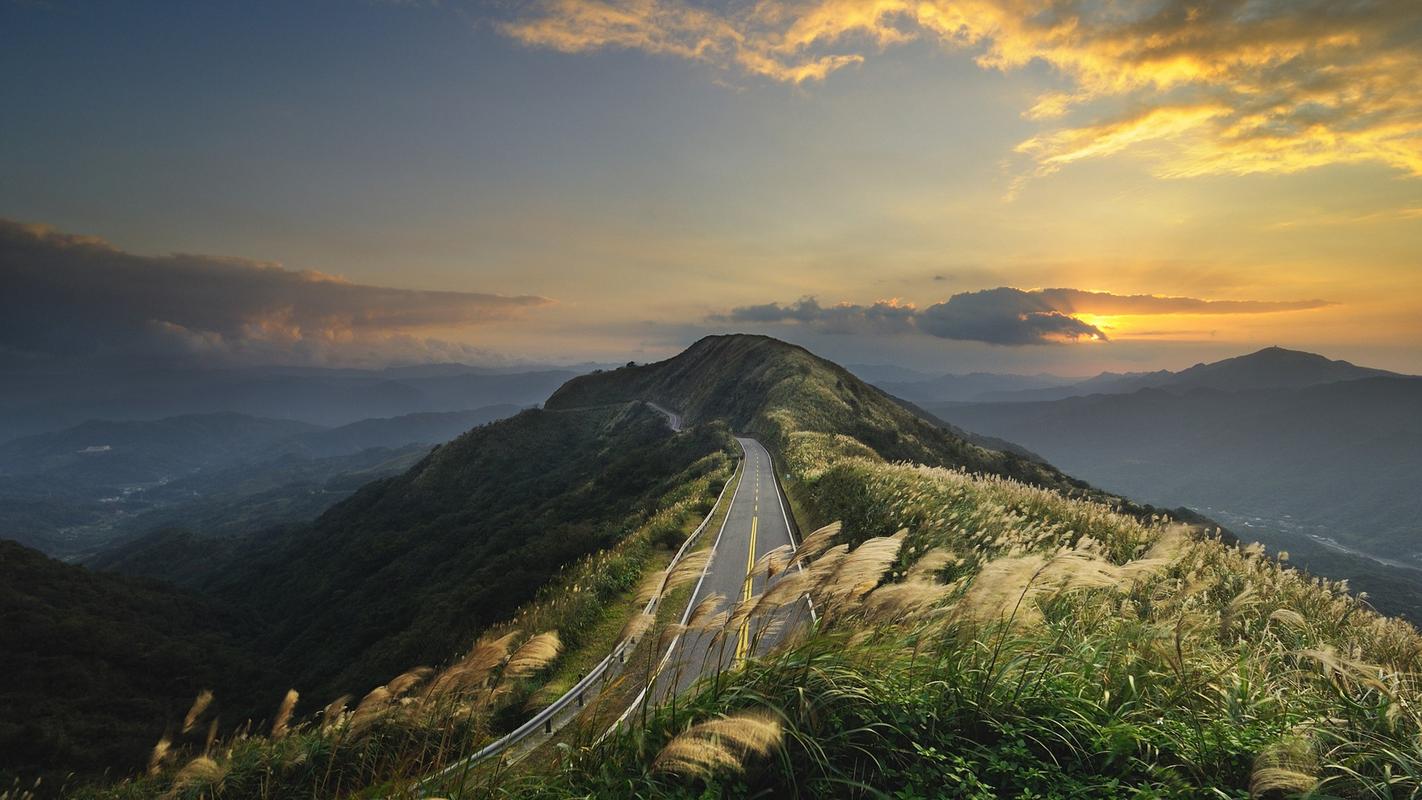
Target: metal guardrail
x,y
573,695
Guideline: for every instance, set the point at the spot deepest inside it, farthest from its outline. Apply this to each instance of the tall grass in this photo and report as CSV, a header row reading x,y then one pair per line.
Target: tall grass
x,y
984,638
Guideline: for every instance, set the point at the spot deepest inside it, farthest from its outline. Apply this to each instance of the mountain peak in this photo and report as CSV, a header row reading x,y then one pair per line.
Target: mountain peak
x,y
1271,368
785,395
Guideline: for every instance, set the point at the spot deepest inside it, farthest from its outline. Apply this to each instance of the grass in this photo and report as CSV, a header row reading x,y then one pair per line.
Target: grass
x,y
985,638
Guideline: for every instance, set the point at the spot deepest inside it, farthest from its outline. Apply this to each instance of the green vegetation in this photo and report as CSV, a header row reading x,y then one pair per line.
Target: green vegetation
x,y
1014,642
988,628
411,568
989,638
96,665
424,721
536,524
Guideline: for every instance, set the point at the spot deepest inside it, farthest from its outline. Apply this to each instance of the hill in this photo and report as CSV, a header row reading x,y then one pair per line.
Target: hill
x,y
789,397
427,427
409,570
39,400
97,666
1270,368
411,567
1337,458
127,453
977,636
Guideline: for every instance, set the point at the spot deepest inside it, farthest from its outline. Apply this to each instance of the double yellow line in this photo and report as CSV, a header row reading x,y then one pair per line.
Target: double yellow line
x,y
743,637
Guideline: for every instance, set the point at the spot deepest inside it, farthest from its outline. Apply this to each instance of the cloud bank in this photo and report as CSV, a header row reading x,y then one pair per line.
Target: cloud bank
x,y
1199,86
1001,316
63,295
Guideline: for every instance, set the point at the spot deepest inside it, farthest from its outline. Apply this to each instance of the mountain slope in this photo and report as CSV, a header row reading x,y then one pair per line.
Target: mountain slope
x,y
977,637
408,569
786,395
96,666
1270,368
39,400
428,428
1342,455
104,452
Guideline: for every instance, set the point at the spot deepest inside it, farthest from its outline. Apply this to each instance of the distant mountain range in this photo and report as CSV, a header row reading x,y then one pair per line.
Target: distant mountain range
x,y
70,491
1270,368
45,400
1276,440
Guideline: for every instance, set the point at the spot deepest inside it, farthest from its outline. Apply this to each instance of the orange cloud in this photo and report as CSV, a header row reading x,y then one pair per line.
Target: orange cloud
x,y
1001,316
1196,86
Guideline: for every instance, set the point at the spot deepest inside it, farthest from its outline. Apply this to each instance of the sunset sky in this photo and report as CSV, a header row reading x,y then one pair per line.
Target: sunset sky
x,y
1062,185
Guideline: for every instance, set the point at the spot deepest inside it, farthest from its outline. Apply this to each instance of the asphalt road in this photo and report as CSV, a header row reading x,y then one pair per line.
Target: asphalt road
x,y
756,524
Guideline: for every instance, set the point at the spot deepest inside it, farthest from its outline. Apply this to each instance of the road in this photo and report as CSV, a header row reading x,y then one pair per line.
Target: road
x,y
756,523
673,418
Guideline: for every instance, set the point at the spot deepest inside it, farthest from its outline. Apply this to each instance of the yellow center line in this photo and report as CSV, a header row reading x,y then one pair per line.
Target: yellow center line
x,y
743,636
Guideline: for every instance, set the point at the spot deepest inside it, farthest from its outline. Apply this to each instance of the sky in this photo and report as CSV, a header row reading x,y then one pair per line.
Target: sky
x,y
1005,185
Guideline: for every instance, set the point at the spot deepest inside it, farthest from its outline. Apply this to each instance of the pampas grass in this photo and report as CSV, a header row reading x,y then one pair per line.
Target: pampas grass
x,y
200,704
818,542
159,754
635,628
283,715
720,746
533,655
201,771
403,683
705,610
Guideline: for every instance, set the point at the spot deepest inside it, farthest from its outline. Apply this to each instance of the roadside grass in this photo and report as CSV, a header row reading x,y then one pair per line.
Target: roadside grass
x,y
617,611
984,638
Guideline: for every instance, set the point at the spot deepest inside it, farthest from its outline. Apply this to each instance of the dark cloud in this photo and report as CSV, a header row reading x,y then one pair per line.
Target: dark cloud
x,y
1004,316
65,295
881,317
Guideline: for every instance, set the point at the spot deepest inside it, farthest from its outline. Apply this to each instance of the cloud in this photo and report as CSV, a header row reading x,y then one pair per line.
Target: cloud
x,y
1199,87
63,295
883,317
1002,316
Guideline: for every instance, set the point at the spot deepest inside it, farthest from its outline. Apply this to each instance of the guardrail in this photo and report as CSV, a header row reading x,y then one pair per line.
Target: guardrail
x,y
543,719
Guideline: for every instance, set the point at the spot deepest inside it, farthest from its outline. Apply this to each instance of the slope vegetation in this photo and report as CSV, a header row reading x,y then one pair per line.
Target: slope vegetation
x,y
980,636
411,567
97,665
790,398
